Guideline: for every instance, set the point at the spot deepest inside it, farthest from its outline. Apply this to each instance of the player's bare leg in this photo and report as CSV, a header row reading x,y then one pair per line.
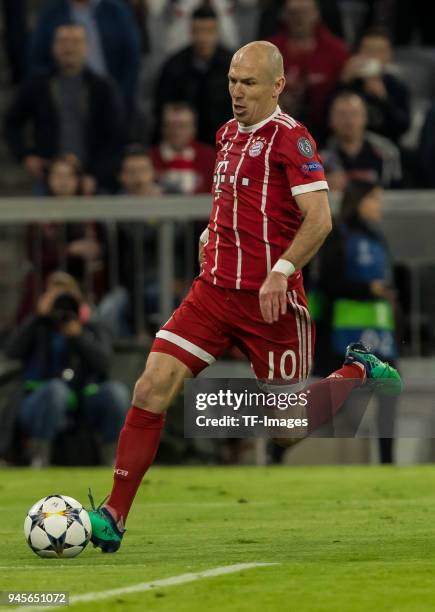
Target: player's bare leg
x,y
138,442
328,395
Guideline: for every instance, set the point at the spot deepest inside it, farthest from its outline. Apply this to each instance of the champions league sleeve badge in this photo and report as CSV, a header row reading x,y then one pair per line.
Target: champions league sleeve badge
x,y
305,147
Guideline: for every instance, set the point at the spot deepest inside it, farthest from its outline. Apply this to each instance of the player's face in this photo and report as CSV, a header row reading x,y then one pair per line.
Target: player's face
x,y
254,92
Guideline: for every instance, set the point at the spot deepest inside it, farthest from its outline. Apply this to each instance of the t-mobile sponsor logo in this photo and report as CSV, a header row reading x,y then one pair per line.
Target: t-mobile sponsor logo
x,y
120,472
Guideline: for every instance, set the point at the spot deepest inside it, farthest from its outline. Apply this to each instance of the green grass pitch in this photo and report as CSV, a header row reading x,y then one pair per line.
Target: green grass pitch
x,y
344,539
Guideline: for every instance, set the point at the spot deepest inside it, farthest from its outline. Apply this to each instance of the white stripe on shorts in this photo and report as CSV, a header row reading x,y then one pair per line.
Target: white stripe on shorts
x,y
309,330
186,345
307,322
298,327
303,322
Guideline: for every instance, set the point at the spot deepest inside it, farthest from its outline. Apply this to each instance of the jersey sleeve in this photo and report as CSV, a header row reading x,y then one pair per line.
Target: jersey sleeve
x,y
302,163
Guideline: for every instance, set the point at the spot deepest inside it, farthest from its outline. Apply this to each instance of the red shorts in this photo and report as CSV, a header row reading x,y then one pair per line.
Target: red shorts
x,y
211,319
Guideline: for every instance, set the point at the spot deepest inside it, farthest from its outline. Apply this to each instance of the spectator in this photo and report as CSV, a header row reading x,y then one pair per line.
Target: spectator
x,y
113,39
313,61
122,309
272,12
64,177
66,358
78,247
83,241
183,164
15,37
71,110
360,299
386,96
177,15
354,153
137,174
199,75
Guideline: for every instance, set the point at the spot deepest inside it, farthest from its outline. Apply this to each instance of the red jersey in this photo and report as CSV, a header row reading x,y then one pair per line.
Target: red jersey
x,y
258,171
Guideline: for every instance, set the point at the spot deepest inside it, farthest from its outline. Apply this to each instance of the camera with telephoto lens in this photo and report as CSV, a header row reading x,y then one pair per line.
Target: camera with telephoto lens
x,y
65,308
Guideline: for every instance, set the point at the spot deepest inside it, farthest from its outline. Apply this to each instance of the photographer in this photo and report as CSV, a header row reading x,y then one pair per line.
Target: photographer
x,y
369,73
65,359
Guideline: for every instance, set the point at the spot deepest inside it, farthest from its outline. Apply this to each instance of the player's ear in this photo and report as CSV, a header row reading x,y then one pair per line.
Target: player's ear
x,y
279,86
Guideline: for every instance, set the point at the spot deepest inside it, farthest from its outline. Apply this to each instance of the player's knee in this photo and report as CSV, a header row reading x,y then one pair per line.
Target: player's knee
x,y
143,390
152,393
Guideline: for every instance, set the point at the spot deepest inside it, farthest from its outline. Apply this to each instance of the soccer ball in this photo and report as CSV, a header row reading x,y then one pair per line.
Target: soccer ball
x,y
57,526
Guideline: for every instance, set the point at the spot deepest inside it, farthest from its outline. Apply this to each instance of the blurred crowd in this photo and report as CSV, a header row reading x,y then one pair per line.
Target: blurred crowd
x,y
124,97
94,76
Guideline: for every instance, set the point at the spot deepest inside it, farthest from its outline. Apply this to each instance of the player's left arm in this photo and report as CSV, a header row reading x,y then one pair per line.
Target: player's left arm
x,y
316,225
203,239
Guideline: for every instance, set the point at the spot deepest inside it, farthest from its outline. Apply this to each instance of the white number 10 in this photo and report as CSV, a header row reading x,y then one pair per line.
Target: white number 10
x,y
285,375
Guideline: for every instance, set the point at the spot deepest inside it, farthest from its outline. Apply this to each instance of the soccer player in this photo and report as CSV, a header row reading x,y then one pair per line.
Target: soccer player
x,y
269,217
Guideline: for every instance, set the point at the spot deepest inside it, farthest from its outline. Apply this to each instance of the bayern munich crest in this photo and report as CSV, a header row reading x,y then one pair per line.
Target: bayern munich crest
x,y
256,147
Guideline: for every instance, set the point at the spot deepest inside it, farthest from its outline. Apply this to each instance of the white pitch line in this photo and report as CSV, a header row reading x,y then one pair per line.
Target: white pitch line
x,y
68,566
148,586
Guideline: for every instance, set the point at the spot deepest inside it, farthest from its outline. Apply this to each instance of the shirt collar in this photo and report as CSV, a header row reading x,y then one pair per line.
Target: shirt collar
x,y
256,126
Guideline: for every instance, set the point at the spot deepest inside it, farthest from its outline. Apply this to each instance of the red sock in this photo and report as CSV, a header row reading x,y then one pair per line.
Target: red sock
x,y
137,446
328,395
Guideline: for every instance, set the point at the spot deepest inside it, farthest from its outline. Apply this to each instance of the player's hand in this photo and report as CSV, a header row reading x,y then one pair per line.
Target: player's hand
x,y
201,255
273,297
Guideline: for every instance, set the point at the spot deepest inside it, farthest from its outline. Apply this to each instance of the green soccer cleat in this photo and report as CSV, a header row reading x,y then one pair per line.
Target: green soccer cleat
x,y
387,378
105,532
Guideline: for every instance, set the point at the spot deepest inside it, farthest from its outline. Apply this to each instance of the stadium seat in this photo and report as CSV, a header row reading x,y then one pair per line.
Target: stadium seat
x,y
417,68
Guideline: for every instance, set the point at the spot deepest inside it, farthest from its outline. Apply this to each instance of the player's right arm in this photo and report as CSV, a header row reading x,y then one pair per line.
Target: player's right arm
x,y
203,239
